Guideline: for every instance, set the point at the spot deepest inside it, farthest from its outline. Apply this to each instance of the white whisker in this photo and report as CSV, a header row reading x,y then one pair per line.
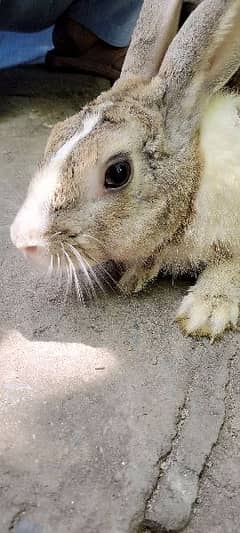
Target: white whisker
x,y
94,275
59,270
68,271
100,266
93,238
77,284
112,283
73,276
50,267
83,268
104,272
56,233
51,264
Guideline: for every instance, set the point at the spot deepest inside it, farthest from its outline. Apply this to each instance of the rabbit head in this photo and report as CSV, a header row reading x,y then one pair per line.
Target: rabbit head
x,y
117,181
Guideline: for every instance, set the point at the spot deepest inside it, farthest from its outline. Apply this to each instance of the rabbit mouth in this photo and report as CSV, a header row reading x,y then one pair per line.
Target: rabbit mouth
x,y
83,272
79,258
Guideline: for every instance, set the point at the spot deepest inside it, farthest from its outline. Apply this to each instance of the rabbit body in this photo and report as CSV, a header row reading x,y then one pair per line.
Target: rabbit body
x,y
175,138
215,222
210,242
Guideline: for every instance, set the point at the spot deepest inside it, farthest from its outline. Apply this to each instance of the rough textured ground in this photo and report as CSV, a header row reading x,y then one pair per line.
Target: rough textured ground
x,y
110,420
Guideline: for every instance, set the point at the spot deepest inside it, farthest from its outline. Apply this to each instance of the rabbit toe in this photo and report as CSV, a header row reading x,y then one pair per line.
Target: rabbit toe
x,y
207,316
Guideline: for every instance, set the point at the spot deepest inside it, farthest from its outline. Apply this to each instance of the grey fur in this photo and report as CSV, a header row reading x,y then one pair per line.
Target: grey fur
x,y
155,29
154,222
201,59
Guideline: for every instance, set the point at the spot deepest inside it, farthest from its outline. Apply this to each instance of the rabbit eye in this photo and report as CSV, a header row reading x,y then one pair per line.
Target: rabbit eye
x,y
117,175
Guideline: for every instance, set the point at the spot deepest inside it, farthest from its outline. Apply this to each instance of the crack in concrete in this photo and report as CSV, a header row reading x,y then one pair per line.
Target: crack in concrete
x,y
216,442
161,463
162,466
17,517
23,508
144,523
140,523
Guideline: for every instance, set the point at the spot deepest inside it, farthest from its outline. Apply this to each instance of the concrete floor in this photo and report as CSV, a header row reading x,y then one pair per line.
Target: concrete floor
x,y
110,420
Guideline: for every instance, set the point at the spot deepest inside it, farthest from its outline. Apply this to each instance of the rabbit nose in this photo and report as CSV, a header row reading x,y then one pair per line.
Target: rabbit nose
x,y
35,254
21,236
29,250
27,234
31,246
26,239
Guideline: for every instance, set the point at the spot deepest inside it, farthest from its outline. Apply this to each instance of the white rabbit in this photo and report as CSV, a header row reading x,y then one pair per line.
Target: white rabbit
x,y
148,174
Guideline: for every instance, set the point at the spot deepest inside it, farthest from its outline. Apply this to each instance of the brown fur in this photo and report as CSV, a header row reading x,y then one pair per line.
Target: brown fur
x,y
155,124
157,188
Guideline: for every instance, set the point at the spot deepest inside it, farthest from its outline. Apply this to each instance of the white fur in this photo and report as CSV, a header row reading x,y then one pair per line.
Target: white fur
x,y
89,124
213,304
45,184
32,219
218,199
217,204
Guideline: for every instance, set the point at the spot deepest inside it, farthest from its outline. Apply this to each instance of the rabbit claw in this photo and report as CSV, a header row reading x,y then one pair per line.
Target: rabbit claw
x,y
207,317
136,278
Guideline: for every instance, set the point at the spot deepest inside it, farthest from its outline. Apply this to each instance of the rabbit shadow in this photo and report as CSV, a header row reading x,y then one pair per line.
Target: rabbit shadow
x,y
44,310
31,304
100,386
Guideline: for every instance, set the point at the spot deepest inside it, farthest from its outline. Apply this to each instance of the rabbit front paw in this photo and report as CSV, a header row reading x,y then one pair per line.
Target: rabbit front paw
x,y
136,278
212,305
207,316
133,281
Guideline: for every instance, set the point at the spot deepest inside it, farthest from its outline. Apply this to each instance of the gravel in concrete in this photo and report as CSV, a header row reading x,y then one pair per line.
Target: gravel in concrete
x,y
110,420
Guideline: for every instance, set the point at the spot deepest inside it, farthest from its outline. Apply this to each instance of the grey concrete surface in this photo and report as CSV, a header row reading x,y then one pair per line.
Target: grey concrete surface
x,y
110,420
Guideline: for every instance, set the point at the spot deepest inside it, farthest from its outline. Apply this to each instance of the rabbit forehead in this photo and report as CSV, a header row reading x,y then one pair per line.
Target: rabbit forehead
x,y
106,130
87,141
112,108
47,178
76,170
66,134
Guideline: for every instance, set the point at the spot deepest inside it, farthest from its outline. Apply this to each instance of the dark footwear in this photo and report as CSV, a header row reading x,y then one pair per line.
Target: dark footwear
x,y
106,63
78,49
70,38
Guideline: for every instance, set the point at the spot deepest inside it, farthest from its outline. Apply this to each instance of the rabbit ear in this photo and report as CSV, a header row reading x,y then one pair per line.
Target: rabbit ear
x,y
155,28
200,60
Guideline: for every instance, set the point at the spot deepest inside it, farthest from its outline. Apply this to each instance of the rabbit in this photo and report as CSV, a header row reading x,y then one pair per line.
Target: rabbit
x,y
148,174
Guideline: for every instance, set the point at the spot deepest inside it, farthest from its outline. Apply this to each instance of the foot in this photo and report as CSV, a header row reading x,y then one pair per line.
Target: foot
x,y
70,38
212,305
76,48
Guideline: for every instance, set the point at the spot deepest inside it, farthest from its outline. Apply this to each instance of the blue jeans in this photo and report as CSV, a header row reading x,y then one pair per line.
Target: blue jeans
x,y
111,20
